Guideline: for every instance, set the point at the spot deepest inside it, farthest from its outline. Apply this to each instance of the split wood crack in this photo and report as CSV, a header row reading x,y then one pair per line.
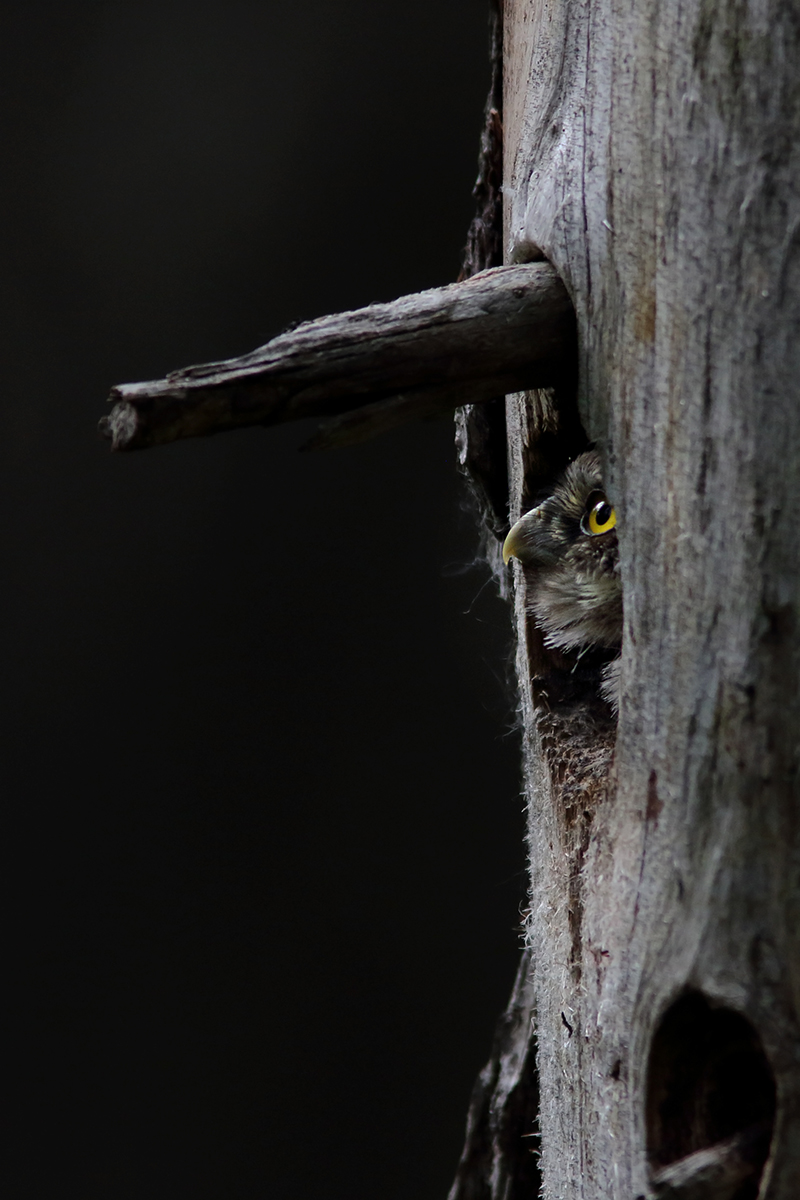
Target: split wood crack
x,y
502,330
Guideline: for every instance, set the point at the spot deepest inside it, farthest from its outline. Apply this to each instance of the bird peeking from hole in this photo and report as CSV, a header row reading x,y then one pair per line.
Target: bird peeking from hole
x,y
569,542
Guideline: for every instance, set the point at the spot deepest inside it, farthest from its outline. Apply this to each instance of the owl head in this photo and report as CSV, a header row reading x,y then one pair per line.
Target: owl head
x,y
568,544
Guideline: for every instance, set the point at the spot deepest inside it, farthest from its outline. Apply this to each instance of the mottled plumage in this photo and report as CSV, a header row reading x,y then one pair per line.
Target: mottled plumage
x,y
569,542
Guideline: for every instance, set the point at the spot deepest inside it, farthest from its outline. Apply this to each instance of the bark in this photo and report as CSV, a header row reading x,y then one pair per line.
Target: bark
x,y
651,153
500,1157
651,156
420,355
481,428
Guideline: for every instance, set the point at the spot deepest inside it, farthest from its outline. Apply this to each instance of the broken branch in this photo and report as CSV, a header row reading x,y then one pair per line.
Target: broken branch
x,y
502,330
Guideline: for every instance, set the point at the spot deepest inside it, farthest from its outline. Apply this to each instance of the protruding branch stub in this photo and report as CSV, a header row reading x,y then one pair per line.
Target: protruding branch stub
x,y
500,331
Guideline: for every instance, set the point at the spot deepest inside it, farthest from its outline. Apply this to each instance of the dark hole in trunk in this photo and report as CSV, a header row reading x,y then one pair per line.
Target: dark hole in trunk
x,y
708,1080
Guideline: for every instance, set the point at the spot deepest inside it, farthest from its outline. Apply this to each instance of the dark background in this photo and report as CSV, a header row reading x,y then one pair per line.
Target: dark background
x,y
260,787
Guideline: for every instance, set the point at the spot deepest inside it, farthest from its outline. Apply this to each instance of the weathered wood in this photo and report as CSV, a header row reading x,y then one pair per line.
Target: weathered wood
x,y
652,155
501,329
500,1157
420,404
481,428
484,248
718,1173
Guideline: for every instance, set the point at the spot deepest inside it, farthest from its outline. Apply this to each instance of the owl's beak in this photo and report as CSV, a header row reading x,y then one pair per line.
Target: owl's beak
x,y
518,543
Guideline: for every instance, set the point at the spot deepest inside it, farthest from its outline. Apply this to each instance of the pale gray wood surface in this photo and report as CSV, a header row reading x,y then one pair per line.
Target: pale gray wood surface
x,y
652,153
416,356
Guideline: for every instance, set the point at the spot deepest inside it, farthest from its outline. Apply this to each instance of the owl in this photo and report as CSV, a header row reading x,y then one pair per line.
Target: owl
x,y
569,543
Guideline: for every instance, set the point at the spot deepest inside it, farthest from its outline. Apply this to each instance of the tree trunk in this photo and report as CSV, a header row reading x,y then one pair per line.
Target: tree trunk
x,y
651,153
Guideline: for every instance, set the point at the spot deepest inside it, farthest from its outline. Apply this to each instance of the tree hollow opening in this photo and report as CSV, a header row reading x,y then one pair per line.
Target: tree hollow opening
x,y
708,1081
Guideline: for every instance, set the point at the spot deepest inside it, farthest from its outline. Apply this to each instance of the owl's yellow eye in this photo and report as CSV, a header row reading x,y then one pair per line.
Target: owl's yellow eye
x,y
600,517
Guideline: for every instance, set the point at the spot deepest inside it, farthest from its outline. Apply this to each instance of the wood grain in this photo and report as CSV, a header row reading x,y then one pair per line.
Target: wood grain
x,y
652,154
430,351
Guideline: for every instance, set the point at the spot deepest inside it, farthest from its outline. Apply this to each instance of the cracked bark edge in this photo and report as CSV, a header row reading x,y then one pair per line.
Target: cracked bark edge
x,y
481,431
499,1160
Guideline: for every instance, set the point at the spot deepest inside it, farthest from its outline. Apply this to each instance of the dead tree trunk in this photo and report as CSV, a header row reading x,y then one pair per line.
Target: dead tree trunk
x,y
651,153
